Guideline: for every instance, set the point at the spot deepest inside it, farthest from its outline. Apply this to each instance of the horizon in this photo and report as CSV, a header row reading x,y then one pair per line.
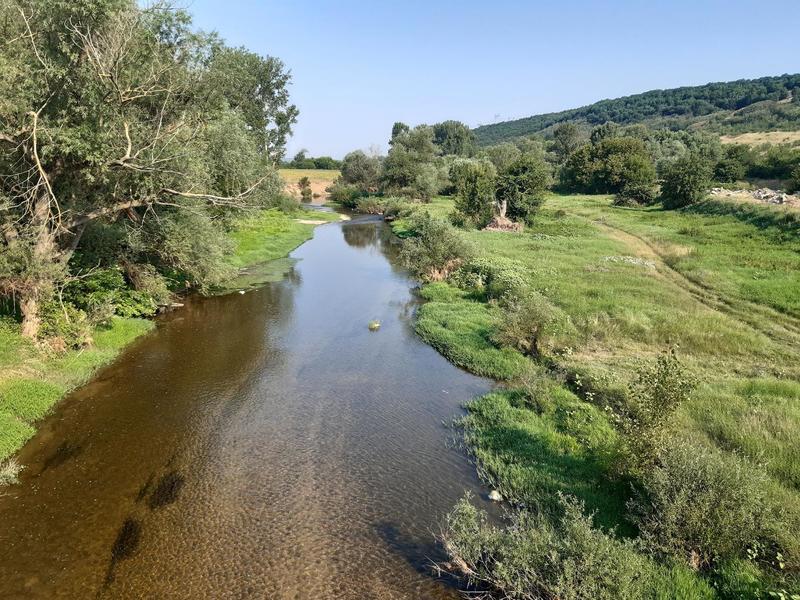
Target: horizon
x,y
358,68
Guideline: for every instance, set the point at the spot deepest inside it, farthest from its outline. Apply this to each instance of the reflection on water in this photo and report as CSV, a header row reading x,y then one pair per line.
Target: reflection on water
x,y
264,445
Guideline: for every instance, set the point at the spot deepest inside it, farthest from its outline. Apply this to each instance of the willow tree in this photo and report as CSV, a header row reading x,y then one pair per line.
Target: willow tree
x,y
109,111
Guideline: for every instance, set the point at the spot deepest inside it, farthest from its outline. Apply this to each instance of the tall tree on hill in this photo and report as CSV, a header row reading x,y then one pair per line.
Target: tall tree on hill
x,y
108,110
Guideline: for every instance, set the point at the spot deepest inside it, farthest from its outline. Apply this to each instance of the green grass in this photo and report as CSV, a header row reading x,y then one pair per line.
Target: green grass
x,y
33,380
719,281
273,234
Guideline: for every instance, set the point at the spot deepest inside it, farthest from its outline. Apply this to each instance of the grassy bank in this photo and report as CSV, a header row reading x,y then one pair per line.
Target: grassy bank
x,y
717,281
33,379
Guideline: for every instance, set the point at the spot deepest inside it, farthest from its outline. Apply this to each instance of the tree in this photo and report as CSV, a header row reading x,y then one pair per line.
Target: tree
x,y
404,169
474,181
566,139
686,182
305,189
609,165
453,137
361,170
521,187
109,111
398,129
501,155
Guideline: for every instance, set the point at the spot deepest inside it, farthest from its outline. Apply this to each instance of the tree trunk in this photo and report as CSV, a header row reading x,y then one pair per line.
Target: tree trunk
x,y
44,256
502,208
30,315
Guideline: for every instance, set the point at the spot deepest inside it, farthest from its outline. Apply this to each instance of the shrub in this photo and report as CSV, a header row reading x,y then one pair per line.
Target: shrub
x,y
521,187
64,326
636,194
436,248
102,293
344,194
494,278
305,189
686,181
569,559
474,182
729,170
794,182
369,205
9,471
701,505
654,395
534,325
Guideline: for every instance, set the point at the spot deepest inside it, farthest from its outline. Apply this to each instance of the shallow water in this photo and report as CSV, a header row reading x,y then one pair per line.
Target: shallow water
x,y
265,445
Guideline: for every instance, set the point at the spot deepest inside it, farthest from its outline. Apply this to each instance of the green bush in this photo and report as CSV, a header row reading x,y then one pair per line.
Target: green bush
x,y
534,558
794,182
436,248
686,181
64,326
535,326
103,293
655,393
344,194
636,194
493,278
702,505
369,205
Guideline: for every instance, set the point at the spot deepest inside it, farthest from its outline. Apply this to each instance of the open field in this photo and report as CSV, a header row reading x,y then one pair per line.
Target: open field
x,y
762,137
716,280
320,179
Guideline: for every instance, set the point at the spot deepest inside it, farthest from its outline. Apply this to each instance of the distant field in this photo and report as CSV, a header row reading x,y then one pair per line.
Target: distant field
x,y
762,137
320,179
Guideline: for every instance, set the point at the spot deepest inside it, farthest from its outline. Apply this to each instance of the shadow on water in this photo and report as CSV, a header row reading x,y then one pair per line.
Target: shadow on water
x,y
129,537
67,450
167,490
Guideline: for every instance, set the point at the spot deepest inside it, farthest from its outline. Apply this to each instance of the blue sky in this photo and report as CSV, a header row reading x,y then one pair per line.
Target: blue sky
x,y
360,66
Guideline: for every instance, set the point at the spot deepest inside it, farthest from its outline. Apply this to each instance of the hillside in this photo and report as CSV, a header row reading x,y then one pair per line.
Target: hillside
x,y
764,104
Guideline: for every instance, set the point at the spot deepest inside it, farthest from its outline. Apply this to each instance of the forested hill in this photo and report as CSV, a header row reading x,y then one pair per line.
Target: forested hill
x,y
763,104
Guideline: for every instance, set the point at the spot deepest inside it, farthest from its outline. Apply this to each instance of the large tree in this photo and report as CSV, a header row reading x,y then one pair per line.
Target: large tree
x,y
111,111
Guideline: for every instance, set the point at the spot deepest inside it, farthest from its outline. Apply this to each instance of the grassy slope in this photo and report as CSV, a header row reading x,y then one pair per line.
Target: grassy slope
x,y
721,284
273,234
32,381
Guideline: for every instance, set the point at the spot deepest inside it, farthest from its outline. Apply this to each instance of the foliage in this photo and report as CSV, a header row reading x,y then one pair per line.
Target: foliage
x,y
538,558
566,139
435,250
406,168
501,155
493,278
474,181
453,138
636,194
729,170
122,115
677,107
361,170
686,182
304,183
655,394
794,183
702,505
107,287
301,161
534,327
521,188
610,164
344,194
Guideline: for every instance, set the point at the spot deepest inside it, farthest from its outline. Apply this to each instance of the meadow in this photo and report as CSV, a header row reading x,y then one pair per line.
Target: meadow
x,y
715,281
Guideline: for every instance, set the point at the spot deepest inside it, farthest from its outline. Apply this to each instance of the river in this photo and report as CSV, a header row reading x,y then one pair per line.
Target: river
x,y
258,445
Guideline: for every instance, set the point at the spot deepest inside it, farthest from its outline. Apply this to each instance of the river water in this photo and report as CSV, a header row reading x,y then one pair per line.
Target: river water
x,y
265,445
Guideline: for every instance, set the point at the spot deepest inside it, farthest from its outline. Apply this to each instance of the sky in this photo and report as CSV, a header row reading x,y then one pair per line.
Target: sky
x,y
359,66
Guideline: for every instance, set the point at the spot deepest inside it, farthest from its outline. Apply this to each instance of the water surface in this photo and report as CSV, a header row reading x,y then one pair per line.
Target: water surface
x,y
264,445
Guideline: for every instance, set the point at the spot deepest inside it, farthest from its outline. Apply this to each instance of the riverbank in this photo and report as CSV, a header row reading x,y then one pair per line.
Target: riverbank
x,y
33,380
618,287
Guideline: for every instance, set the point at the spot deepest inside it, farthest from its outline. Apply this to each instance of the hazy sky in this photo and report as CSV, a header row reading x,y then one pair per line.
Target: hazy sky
x,y
360,66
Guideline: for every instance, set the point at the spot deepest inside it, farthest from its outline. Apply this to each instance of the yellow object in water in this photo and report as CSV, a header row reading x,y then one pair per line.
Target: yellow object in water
x,y
374,325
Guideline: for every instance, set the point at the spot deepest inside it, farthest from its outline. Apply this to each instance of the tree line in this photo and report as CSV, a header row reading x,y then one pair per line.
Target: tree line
x,y
129,141
674,108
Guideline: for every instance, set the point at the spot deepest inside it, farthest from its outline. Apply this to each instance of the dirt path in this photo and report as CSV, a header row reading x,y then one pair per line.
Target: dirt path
x,y
762,318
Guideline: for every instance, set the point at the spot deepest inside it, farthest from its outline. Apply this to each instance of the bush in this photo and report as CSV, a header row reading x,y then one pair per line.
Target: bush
x,y
686,181
794,182
64,326
535,325
495,278
361,170
521,187
729,170
102,293
369,205
436,248
344,194
653,397
534,558
474,182
702,505
636,195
